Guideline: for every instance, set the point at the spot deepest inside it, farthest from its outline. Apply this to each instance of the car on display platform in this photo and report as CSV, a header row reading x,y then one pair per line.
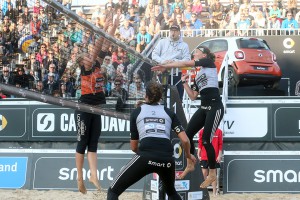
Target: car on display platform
x,y
250,61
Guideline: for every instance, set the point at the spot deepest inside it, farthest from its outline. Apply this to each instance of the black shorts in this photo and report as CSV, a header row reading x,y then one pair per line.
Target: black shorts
x,y
204,164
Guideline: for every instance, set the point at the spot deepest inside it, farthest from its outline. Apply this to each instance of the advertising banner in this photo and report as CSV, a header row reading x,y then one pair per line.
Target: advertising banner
x,y
15,168
60,171
261,171
9,116
56,169
286,122
53,123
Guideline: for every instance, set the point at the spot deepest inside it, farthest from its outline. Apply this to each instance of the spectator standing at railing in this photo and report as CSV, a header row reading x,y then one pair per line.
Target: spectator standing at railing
x,y
170,49
289,24
26,15
275,10
143,38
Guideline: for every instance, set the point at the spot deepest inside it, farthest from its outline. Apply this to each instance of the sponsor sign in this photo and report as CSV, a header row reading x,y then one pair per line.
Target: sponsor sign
x,y
282,117
60,171
13,172
8,119
154,185
183,185
195,195
178,155
262,171
60,124
252,124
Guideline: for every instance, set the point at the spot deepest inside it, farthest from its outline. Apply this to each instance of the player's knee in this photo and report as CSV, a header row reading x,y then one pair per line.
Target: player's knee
x,y
111,195
93,147
81,146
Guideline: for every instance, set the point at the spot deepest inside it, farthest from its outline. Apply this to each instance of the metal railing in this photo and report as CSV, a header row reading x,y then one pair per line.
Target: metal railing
x,y
233,32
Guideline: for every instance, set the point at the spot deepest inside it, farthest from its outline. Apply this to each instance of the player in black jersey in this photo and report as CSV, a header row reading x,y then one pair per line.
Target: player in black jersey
x,y
150,128
211,111
92,93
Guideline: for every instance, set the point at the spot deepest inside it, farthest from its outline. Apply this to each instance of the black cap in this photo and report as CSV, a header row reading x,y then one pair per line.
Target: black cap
x,y
175,27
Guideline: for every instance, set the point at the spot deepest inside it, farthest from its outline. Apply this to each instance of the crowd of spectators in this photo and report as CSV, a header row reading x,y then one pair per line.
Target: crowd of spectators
x,y
49,64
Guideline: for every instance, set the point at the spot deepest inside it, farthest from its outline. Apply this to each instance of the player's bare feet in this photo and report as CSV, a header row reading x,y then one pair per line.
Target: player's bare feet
x,y
189,168
96,183
210,178
81,187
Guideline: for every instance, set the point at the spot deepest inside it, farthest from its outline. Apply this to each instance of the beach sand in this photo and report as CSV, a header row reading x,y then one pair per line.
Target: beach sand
x,y
92,195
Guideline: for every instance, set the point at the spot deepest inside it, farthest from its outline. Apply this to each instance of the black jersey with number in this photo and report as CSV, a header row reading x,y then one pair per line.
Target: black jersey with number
x,y
152,125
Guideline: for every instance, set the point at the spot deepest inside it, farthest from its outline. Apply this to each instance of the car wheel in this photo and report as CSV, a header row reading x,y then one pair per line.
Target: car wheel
x,y
273,85
233,78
